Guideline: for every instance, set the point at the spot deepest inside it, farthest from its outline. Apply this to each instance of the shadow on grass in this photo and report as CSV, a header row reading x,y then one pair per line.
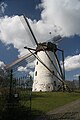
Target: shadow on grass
x,y
18,113
12,109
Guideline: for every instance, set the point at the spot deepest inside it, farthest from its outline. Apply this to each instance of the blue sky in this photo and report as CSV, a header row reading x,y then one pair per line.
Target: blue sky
x,y
18,7
45,14
27,7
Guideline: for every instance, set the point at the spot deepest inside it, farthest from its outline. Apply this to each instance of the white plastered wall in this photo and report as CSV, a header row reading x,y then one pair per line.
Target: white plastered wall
x,y
43,79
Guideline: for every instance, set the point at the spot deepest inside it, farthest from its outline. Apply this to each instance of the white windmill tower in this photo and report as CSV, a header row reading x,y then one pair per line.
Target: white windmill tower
x,y
48,73
43,79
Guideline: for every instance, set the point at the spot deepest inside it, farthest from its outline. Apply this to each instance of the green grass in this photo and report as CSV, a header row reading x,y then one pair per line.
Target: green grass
x,y
42,102
46,101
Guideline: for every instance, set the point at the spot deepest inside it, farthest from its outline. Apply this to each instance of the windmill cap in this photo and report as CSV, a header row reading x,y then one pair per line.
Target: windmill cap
x,y
46,46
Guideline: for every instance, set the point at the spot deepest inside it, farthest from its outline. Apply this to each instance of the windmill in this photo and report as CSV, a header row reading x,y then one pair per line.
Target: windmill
x,y
48,74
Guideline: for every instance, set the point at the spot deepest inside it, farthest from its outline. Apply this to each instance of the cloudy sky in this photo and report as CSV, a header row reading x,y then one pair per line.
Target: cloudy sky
x,y
45,16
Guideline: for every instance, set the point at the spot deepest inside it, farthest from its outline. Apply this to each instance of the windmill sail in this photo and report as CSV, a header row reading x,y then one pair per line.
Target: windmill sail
x,y
17,61
29,33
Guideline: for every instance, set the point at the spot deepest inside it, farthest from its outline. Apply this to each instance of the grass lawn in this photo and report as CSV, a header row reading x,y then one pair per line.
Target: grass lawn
x,y
43,102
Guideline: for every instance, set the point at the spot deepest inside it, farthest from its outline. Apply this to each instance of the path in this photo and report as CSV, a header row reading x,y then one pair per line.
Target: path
x,y
70,111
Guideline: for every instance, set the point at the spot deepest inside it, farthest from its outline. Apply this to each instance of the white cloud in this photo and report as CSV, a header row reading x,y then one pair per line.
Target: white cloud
x,y
27,68
62,13
2,7
72,62
76,76
22,69
31,73
12,32
57,16
77,51
2,65
31,65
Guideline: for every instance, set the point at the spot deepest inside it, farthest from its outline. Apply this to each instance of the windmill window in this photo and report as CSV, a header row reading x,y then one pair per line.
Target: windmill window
x,y
54,83
53,72
36,73
40,90
37,63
